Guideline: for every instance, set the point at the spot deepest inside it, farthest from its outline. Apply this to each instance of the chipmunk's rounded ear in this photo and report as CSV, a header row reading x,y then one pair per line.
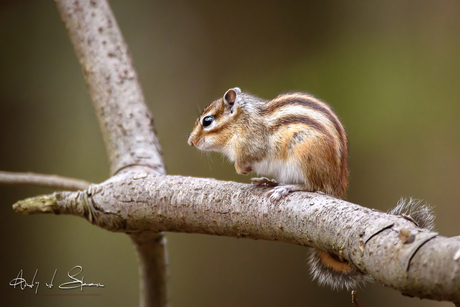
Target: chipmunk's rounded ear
x,y
231,96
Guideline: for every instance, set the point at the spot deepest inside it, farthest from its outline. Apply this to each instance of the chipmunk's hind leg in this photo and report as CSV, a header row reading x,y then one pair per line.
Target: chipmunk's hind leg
x,y
281,191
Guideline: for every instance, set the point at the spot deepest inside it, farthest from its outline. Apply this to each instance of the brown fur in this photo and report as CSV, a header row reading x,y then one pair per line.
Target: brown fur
x,y
333,262
250,130
251,136
320,106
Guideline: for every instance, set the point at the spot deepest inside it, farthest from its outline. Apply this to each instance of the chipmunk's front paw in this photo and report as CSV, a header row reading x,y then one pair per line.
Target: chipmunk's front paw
x,y
264,181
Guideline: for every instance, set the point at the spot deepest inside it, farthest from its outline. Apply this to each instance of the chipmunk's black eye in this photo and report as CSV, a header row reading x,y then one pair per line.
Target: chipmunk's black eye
x,y
208,120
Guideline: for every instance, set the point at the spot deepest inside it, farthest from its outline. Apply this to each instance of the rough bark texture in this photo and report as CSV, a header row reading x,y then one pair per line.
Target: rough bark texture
x,y
392,249
126,123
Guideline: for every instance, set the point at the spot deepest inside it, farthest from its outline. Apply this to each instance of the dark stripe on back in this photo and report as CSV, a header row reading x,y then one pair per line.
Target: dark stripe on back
x,y
309,102
300,119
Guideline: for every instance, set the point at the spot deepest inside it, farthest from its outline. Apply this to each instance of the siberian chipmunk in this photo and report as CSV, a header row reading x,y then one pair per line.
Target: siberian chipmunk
x,y
295,138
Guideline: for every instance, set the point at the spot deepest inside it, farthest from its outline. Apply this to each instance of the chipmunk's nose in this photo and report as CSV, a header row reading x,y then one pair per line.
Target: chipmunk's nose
x,y
189,141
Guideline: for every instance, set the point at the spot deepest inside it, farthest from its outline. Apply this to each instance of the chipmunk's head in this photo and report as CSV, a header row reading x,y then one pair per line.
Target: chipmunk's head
x,y
215,127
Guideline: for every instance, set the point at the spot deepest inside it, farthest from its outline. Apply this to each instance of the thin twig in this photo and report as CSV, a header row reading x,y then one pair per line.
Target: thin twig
x,y
49,181
354,298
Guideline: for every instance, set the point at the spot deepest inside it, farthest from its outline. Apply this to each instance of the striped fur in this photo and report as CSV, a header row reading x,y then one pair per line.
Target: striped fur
x,y
295,138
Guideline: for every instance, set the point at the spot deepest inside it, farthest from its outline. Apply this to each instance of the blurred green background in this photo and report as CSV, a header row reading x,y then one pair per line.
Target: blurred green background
x,y
390,69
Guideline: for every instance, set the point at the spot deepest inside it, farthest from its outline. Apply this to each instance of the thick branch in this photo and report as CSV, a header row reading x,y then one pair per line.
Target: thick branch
x,y
125,121
48,181
390,248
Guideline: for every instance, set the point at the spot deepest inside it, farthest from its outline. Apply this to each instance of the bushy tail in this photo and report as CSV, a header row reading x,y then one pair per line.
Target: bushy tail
x,y
416,211
338,273
334,272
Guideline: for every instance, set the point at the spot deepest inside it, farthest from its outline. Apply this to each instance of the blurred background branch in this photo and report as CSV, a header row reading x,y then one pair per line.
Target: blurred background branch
x,y
125,122
49,181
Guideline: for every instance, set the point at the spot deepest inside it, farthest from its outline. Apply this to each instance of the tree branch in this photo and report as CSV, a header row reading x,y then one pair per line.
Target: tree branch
x,y
369,239
152,245
125,122
48,181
